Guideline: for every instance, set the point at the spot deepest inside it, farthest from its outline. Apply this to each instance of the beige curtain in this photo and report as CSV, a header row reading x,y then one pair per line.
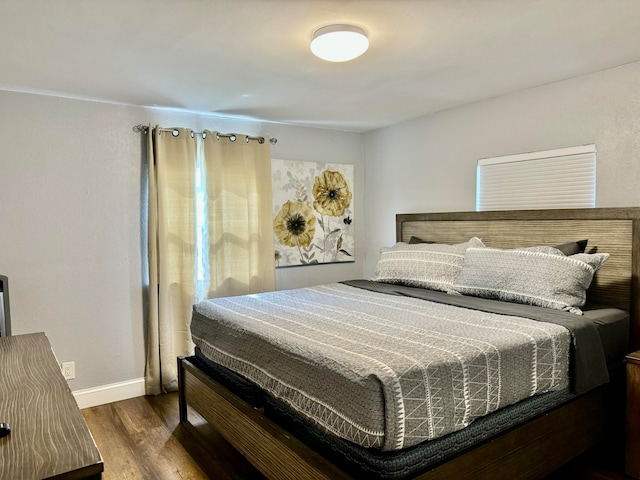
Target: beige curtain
x,y
172,241
241,245
240,235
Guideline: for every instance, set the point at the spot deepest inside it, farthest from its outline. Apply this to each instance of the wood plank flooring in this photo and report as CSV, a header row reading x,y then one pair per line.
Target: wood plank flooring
x,y
141,438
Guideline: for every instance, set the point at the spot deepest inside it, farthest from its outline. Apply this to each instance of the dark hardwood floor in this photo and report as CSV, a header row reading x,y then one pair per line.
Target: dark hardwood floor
x,y
141,438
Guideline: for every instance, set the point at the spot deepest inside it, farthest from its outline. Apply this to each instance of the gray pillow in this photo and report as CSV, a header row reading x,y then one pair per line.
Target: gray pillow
x,y
413,240
571,248
541,276
427,265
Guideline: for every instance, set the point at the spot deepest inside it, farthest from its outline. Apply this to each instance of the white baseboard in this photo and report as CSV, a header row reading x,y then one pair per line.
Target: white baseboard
x,y
114,392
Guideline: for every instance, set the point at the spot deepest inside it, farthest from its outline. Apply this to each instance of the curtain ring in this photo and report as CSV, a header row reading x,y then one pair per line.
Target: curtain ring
x,y
175,132
217,135
261,140
192,134
204,135
246,139
232,138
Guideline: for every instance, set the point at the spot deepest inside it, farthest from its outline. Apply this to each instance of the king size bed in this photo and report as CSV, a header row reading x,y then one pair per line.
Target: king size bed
x,y
470,354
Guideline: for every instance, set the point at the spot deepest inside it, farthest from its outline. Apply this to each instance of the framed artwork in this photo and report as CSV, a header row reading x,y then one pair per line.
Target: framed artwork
x,y
312,212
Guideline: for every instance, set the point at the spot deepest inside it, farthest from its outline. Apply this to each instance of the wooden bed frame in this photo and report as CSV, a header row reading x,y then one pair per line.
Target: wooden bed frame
x,y
530,451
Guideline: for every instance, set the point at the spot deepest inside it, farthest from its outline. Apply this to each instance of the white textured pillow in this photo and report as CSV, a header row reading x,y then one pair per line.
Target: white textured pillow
x,y
541,276
428,265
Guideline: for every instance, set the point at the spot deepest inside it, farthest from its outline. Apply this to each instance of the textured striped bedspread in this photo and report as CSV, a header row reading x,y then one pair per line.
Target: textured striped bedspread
x,y
382,371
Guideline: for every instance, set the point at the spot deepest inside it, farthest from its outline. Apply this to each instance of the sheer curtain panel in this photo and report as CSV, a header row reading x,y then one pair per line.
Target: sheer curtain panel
x,y
210,234
241,245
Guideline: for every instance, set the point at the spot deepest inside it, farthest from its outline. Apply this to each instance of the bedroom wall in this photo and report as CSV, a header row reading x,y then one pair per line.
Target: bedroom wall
x,y
70,222
428,164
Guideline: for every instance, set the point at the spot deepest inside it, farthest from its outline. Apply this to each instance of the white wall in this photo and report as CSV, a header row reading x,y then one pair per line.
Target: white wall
x,y
428,164
315,145
70,222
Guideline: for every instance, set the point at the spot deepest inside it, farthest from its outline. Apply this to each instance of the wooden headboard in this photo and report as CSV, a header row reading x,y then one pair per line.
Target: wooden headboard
x,y
612,230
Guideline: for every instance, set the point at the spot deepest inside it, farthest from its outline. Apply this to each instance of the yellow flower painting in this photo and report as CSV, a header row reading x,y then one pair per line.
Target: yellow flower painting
x,y
295,224
331,194
313,212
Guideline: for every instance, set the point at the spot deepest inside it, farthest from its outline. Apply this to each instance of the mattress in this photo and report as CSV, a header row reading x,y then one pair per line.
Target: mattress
x,y
357,406
374,464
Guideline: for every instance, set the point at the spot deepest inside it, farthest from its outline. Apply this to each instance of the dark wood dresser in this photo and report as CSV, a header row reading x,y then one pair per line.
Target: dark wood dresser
x,y
632,467
49,437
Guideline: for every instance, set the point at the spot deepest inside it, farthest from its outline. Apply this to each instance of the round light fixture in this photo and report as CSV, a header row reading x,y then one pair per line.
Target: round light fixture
x,y
339,43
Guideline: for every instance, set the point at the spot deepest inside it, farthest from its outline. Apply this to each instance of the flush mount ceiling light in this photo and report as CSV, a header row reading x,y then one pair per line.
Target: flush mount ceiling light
x,y
339,43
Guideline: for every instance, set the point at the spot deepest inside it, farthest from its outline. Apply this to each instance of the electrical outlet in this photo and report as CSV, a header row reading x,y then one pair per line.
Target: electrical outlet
x,y
69,370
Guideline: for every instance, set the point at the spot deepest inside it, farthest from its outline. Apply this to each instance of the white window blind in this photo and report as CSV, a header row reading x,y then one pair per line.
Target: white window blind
x,y
559,178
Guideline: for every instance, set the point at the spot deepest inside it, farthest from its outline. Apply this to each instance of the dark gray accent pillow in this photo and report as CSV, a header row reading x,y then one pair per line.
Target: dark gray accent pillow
x,y
414,240
571,248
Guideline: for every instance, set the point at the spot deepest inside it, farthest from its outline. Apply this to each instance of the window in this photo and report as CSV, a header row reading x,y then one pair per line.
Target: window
x,y
559,178
202,229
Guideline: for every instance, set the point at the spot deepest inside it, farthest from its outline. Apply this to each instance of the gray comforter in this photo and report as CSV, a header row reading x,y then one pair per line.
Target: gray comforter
x,y
384,371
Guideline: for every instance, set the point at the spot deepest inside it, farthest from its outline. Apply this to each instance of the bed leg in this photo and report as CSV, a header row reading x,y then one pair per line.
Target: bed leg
x,y
182,401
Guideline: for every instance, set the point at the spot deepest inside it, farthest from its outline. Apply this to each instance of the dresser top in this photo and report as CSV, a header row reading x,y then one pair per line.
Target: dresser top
x,y
49,436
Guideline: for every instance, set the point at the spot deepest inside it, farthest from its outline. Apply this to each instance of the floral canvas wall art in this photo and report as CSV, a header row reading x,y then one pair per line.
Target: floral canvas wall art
x,y
312,212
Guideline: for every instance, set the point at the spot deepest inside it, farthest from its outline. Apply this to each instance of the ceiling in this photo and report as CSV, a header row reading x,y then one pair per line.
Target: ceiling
x,y
251,58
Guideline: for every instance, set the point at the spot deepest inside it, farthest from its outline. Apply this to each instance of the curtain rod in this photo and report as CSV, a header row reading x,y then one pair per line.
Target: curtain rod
x,y
231,136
